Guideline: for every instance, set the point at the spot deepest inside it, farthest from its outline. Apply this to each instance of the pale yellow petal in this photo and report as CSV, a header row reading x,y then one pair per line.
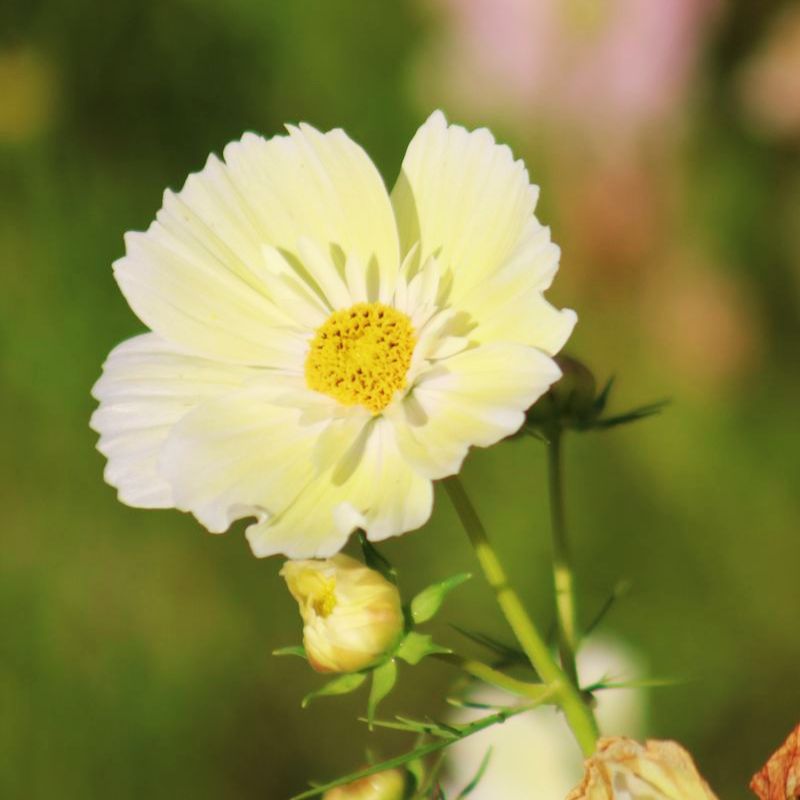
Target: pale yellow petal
x,y
464,198
147,386
372,487
239,455
190,299
199,276
322,186
476,397
509,306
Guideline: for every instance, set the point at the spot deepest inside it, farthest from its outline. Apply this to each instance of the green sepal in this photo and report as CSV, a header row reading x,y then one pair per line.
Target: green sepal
x,y
374,559
634,415
343,684
573,403
600,402
428,602
384,678
416,769
291,650
416,646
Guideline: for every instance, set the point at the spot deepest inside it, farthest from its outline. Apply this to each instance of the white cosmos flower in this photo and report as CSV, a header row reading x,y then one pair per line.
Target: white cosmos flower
x,y
321,350
535,754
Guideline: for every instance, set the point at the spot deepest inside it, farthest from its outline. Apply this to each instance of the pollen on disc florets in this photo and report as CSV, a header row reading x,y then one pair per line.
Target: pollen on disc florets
x,y
361,355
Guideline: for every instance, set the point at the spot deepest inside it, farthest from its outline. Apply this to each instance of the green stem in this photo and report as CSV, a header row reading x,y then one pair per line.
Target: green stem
x,y
562,570
492,676
579,716
420,752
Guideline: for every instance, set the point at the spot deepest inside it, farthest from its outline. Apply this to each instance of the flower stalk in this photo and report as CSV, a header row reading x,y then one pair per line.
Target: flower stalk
x,y
563,579
494,677
578,714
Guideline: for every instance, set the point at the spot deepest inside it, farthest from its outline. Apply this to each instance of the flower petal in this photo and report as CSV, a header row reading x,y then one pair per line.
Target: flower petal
x,y
371,487
240,455
510,307
464,198
476,397
199,277
147,386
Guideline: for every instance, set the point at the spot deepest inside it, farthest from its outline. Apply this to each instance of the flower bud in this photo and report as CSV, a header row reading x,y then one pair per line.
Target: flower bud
x,y
570,400
623,769
388,785
352,615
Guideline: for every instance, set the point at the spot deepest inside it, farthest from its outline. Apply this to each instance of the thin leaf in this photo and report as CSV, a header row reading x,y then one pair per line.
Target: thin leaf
x,y
374,559
427,728
509,654
291,650
620,590
384,678
458,702
408,726
430,785
635,683
343,684
417,753
472,785
428,602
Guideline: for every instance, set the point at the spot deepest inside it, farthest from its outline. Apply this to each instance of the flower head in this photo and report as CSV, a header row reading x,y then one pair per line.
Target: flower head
x,y
351,614
321,351
387,785
622,768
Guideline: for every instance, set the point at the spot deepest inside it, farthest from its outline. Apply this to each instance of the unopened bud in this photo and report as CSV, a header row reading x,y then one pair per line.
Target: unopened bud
x,y
570,400
623,769
576,389
387,785
352,615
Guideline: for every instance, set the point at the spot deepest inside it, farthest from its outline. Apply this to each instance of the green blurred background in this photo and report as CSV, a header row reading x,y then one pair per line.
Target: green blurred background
x,y
135,656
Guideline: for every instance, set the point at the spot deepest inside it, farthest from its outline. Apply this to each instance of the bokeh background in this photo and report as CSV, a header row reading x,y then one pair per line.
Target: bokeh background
x,y
665,134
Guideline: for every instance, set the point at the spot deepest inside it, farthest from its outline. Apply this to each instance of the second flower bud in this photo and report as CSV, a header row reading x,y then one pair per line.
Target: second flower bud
x,y
352,616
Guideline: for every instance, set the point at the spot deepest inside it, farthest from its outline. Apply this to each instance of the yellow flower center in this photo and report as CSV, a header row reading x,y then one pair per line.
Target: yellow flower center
x,y
361,355
323,600
314,591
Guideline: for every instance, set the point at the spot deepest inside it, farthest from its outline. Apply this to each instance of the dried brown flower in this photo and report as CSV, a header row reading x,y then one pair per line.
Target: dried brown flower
x,y
780,777
624,768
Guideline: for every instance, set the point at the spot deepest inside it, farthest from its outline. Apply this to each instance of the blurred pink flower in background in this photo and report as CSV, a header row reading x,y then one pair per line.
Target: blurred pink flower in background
x,y
597,94
614,213
702,321
769,84
613,67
